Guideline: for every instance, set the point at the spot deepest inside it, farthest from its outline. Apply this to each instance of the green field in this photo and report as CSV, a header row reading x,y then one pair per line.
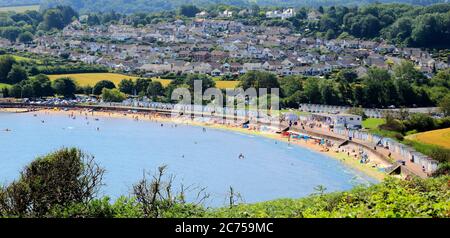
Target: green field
x,y
372,123
20,9
4,85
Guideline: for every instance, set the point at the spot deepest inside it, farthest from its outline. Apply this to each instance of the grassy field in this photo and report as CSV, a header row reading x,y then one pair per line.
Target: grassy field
x,y
226,84
436,137
19,9
4,85
25,59
92,78
372,123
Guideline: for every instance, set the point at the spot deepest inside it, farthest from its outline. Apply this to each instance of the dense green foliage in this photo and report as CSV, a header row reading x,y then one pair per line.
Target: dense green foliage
x,y
99,86
24,25
64,184
392,198
112,95
421,26
64,87
132,6
36,87
62,178
401,24
379,88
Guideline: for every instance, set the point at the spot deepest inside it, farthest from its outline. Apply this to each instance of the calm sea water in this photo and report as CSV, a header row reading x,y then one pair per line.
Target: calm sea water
x,y
208,159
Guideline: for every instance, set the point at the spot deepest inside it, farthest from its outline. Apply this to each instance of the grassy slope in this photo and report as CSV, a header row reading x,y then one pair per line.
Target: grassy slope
x,y
372,123
391,198
436,137
4,85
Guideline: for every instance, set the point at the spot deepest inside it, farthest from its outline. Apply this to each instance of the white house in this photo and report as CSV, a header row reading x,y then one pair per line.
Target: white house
x,y
349,121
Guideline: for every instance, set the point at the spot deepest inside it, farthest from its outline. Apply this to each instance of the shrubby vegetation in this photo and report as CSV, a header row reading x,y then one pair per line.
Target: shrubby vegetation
x,y
392,198
112,95
22,26
62,178
133,6
406,86
65,184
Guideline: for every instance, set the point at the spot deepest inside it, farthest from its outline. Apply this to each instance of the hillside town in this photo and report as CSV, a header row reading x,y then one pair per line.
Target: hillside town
x,y
220,46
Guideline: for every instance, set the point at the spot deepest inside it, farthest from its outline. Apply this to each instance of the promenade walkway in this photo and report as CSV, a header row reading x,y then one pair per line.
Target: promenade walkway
x,y
381,151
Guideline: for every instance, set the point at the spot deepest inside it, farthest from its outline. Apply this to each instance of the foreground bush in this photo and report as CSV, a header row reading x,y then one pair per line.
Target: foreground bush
x,y
392,198
59,179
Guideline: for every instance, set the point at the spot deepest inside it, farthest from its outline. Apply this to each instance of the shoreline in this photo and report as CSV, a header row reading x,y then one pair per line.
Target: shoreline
x,y
342,157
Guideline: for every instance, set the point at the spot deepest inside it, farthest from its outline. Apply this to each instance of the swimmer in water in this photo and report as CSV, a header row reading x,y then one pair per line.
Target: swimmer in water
x,y
7,130
241,156
98,128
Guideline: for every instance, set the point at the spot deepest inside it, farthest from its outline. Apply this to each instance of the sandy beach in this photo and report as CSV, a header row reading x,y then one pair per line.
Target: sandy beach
x,y
345,155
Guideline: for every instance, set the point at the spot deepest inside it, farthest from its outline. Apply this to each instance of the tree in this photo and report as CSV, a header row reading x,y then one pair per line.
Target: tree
x,y
311,91
11,33
25,37
126,86
112,95
6,63
100,85
62,178
67,14
444,105
17,74
154,90
406,71
327,93
53,19
291,88
207,82
189,10
258,79
347,76
15,91
65,87
41,85
141,85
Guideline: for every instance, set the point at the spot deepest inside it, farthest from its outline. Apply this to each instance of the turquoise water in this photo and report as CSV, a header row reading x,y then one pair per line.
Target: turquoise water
x,y
210,159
